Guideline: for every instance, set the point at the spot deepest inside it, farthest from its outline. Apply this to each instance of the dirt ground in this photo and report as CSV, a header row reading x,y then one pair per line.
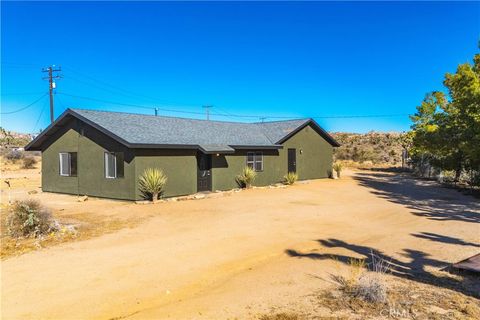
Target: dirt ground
x,y
255,252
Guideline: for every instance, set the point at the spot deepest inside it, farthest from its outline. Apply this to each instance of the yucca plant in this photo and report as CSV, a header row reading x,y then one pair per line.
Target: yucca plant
x,y
246,178
338,167
290,178
152,183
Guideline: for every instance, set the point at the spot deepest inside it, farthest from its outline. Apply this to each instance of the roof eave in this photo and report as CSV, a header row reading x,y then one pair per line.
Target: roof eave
x,y
324,133
266,147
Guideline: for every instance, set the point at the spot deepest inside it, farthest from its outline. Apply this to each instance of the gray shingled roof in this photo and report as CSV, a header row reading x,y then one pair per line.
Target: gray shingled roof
x,y
209,136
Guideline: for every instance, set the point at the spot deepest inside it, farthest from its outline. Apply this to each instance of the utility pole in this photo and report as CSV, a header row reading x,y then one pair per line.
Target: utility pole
x,y
50,70
263,119
207,110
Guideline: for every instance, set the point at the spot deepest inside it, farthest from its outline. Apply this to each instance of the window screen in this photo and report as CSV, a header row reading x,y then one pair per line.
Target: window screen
x,y
255,160
258,161
251,160
65,168
110,165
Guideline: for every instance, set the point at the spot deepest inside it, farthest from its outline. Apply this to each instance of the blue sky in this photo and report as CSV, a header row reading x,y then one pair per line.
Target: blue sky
x,y
262,59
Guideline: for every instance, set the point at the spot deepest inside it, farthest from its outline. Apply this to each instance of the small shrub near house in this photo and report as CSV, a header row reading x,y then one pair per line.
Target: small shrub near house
x,y
246,178
29,162
290,178
338,167
152,184
29,218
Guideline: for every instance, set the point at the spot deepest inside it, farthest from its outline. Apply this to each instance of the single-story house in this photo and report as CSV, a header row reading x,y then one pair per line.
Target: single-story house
x,y
103,154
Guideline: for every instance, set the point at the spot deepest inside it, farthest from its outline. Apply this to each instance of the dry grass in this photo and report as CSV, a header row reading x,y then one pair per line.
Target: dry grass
x,y
408,298
76,227
280,316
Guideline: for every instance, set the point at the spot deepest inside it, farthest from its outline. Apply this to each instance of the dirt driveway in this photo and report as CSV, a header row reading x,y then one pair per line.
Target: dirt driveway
x,y
240,255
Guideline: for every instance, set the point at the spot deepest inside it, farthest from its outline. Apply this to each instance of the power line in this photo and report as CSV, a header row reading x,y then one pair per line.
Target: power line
x,y
20,93
39,117
124,91
230,114
26,107
207,111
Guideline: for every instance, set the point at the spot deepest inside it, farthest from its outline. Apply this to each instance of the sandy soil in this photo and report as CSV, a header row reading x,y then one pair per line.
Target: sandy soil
x,y
241,255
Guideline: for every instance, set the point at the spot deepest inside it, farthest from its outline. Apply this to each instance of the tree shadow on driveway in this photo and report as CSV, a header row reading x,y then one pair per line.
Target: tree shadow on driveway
x,y
444,239
424,198
412,270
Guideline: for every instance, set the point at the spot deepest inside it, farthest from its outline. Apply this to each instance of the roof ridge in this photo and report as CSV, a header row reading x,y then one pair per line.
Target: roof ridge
x,y
174,117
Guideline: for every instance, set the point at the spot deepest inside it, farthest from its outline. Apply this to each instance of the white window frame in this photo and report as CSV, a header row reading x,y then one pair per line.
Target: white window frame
x,y
253,164
106,165
67,154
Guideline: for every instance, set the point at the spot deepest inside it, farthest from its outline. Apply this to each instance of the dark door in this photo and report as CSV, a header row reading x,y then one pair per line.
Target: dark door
x,y
292,160
204,172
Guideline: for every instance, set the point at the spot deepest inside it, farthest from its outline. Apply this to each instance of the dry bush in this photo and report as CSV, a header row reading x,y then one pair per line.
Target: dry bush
x,y
29,163
349,283
14,155
30,218
370,286
290,178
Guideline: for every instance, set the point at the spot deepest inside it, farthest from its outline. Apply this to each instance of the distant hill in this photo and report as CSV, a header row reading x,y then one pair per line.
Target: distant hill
x,y
378,148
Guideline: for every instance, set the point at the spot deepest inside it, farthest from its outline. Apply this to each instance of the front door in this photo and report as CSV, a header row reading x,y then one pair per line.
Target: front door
x,y
204,172
292,160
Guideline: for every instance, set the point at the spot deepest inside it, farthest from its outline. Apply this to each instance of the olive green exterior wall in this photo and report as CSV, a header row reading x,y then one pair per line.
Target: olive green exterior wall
x,y
180,165
315,161
90,180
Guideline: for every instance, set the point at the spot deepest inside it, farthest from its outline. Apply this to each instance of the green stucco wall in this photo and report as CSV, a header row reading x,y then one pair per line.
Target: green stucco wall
x,y
90,145
314,162
180,166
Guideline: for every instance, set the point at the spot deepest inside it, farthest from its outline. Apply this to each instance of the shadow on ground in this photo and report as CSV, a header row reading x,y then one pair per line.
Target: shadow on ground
x,y
424,198
413,270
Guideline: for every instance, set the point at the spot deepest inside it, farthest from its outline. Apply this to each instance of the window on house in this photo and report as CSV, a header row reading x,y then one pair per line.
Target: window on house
x,y
113,165
68,164
255,160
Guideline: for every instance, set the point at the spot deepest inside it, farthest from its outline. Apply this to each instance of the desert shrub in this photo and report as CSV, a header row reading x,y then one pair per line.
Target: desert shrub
x,y
446,176
30,218
371,287
246,178
338,167
290,178
474,178
367,285
152,183
14,155
29,162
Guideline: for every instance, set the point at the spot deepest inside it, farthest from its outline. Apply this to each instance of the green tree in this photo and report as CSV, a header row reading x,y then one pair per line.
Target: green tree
x,y
446,128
